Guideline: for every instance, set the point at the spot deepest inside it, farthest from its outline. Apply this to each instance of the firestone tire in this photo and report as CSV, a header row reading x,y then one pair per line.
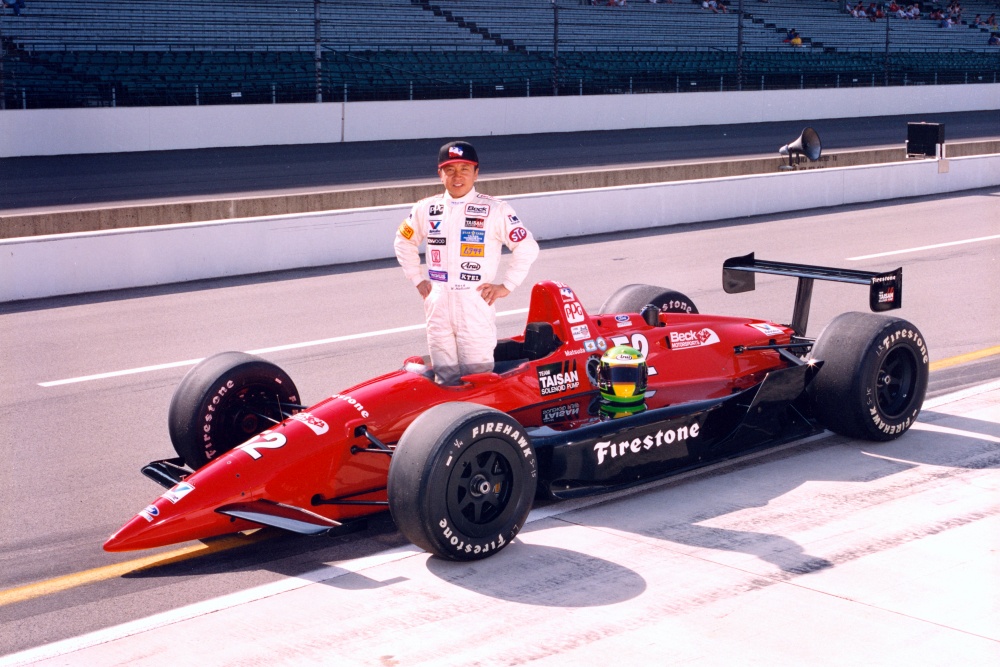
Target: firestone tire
x,y
462,481
224,401
632,299
874,376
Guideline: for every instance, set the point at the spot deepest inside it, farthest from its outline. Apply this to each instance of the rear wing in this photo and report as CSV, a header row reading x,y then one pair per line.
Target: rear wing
x,y
885,289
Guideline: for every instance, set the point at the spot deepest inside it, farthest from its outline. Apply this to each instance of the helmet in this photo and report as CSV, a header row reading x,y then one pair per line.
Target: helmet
x,y
621,376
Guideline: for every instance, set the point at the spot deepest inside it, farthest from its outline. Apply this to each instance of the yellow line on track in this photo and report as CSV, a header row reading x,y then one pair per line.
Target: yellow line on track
x,y
965,358
59,584
66,582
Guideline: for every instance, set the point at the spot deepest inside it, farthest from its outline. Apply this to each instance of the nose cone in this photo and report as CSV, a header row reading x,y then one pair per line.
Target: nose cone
x,y
179,515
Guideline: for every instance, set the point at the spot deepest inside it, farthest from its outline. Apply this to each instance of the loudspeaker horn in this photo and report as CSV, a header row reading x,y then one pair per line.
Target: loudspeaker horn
x,y
807,144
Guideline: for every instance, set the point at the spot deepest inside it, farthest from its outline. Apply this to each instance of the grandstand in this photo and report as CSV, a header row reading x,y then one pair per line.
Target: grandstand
x,y
63,53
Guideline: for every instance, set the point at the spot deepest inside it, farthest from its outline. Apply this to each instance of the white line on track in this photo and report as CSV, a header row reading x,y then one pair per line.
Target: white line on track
x,y
925,247
263,350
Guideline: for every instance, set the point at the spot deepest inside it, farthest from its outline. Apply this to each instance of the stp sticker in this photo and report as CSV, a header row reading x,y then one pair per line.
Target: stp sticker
x,y
517,235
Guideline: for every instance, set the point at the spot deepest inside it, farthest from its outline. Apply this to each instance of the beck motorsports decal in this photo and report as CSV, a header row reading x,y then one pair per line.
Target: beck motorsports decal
x,y
680,340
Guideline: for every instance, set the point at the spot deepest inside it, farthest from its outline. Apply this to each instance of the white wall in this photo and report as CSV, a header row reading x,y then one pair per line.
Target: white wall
x,y
34,267
105,130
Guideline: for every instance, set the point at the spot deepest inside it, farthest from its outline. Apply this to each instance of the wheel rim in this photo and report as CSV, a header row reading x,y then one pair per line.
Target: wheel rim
x,y
480,487
896,383
244,414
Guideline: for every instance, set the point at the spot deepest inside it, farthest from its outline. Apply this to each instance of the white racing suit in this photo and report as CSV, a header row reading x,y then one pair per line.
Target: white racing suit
x,y
464,240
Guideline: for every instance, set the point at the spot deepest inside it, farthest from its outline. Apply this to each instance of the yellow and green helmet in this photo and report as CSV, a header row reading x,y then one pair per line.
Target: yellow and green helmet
x,y
621,376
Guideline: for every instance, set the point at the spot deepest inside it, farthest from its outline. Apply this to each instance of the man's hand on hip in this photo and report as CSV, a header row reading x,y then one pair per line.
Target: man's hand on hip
x,y
493,292
424,287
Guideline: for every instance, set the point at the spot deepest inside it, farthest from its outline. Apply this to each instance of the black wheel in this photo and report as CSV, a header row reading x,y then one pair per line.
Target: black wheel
x,y
224,401
874,376
462,480
632,299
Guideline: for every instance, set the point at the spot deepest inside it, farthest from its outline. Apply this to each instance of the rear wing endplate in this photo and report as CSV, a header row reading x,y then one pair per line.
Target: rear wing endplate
x,y
885,289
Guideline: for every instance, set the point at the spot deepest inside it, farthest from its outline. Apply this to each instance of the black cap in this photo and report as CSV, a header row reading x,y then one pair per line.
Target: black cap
x,y
457,151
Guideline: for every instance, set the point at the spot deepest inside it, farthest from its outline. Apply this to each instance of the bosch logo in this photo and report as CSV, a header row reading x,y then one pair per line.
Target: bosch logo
x,y
470,266
477,210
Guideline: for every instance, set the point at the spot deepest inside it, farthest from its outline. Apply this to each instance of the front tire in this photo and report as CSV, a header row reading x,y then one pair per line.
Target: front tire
x,y
224,401
633,298
462,480
874,376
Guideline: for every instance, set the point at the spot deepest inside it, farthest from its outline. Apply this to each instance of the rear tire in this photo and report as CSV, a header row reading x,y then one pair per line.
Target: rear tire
x,y
874,376
462,481
224,401
632,299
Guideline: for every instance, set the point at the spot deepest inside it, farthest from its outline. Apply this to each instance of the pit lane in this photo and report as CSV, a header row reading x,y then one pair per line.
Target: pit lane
x,y
70,476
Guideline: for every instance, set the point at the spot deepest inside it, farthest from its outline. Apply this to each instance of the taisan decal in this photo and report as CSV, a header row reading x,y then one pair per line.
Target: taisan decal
x,y
558,377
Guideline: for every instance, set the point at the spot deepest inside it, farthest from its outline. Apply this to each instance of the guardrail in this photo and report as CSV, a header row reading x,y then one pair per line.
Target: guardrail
x,y
44,266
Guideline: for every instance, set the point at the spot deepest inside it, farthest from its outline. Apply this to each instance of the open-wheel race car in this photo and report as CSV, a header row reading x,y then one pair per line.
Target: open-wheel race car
x,y
460,466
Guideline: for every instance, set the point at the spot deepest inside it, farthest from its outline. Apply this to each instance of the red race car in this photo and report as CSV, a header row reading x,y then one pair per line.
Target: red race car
x,y
459,466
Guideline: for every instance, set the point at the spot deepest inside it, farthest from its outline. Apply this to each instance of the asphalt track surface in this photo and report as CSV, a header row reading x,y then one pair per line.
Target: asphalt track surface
x,y
32,184
69,469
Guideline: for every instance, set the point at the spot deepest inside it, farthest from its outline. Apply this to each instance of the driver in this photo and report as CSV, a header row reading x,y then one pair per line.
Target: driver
x,y
465,232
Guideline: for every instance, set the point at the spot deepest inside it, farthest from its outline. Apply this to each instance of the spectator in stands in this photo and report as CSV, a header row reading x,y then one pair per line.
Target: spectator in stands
x,y
793,37
16,5
994,40
914,11
992,21
978,22
946,22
